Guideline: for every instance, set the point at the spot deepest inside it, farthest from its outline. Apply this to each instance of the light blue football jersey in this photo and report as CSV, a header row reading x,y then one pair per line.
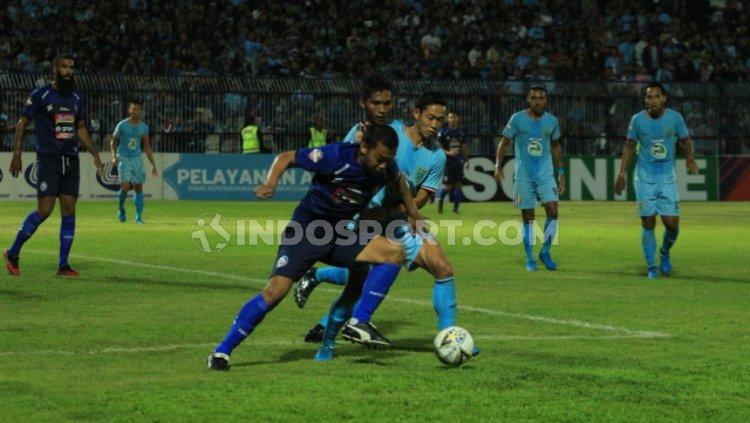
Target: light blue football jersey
x,y
532,140
657,139
130,138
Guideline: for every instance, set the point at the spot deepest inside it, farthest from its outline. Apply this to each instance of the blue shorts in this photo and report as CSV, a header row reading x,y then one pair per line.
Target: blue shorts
x,y
412,243
297,255
57,175
657,198
130,169
528,192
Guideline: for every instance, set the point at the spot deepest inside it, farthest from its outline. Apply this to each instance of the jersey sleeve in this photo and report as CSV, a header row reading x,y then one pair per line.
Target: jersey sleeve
x,y
118,131
555,136
319,159
81,116
32,105
633,129
435,173
145,130
510,129
352,135
680,128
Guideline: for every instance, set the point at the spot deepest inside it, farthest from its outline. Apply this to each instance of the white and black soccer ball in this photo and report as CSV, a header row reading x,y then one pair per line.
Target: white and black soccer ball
x,y
454,346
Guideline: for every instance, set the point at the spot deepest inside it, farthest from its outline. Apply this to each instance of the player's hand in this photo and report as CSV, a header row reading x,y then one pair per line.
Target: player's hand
x,y
692,166
362,129
499,175
114,161
419,223
15,165
561,184
99,165
264,191
154,172
619,184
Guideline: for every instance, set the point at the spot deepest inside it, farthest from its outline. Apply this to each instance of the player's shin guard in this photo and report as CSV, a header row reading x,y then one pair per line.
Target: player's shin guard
x,y
121,196
340,312
250,315
138,199
334,275
444,301
378,282
528,239
648,242
67,231
670,236
550,230
457,195
28,227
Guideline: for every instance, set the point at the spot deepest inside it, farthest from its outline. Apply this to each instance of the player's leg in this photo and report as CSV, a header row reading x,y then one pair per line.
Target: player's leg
x,y
314,277
432,258
546,191
444,191
669,210
122,195
526,201
139,177
44,208
67,233
457,195
647,209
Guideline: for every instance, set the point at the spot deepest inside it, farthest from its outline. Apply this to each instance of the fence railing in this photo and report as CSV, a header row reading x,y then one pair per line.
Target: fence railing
x,y
205,114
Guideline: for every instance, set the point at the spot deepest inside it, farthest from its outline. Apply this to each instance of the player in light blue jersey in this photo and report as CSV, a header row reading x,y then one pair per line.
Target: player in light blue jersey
x,y
422,160
129,141
536,137
653,135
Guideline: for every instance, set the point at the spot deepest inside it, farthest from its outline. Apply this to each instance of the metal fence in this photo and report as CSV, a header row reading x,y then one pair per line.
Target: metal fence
x,y
205,114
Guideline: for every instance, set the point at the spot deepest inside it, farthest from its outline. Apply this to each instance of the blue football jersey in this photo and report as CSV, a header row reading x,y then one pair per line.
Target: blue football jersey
x,y
341,187
451,140
532,140
657,139
130,138
56,116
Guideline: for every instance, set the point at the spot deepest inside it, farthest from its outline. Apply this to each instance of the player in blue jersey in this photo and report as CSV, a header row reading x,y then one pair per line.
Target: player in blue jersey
x,y
346,178
535,134
456,150
129,141
653,135
422,160
59,116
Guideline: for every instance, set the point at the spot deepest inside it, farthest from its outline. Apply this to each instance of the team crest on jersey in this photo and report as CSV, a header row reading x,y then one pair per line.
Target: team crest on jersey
x,y
315,155
547,132
658,150
668,132
28,101
534,147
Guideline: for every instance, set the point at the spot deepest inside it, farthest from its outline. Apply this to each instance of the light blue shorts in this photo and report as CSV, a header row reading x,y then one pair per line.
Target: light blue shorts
x,y
529,192
657,198
130,169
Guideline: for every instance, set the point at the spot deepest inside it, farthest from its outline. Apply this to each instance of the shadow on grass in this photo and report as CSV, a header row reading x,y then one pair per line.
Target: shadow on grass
x,y
675,276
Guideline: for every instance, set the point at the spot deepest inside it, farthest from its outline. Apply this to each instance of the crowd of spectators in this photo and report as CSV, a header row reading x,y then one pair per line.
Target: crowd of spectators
x,y
696,40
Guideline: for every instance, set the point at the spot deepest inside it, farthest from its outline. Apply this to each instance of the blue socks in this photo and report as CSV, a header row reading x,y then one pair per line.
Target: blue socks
x,y
138,198
334,275
444,301
28,227
648,242
67,230
250,315
528,238
340,312
457,195
378,282
669,239
121,196
550,229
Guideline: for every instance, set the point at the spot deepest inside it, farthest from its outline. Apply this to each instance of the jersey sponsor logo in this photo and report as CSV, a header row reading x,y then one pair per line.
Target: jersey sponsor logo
x,y
535,147
658,150
31,175
64,126
315,155
108,179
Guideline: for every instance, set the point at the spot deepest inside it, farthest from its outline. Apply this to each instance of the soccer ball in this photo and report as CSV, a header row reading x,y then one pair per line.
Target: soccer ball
x,y
453,346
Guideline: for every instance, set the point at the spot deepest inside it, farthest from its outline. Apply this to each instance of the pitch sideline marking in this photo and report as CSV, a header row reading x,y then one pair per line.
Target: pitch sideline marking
x,y
565,322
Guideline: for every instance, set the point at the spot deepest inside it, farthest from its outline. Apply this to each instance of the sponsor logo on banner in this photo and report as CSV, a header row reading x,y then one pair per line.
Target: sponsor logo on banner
x,y
31,175
109,178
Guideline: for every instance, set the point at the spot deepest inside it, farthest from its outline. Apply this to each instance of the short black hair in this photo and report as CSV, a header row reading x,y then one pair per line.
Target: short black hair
x,y
62,56
136,100
377,133
537,87
374,84
428,98
654,84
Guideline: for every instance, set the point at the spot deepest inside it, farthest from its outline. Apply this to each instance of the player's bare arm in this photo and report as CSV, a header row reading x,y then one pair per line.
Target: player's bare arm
x,y
501,147
15,163
113,149
627,154
465,154
557,160
150,155
83,135
280,163
690,163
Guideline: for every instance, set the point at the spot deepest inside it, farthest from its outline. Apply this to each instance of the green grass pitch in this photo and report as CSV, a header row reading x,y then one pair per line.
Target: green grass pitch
x,y
593,341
